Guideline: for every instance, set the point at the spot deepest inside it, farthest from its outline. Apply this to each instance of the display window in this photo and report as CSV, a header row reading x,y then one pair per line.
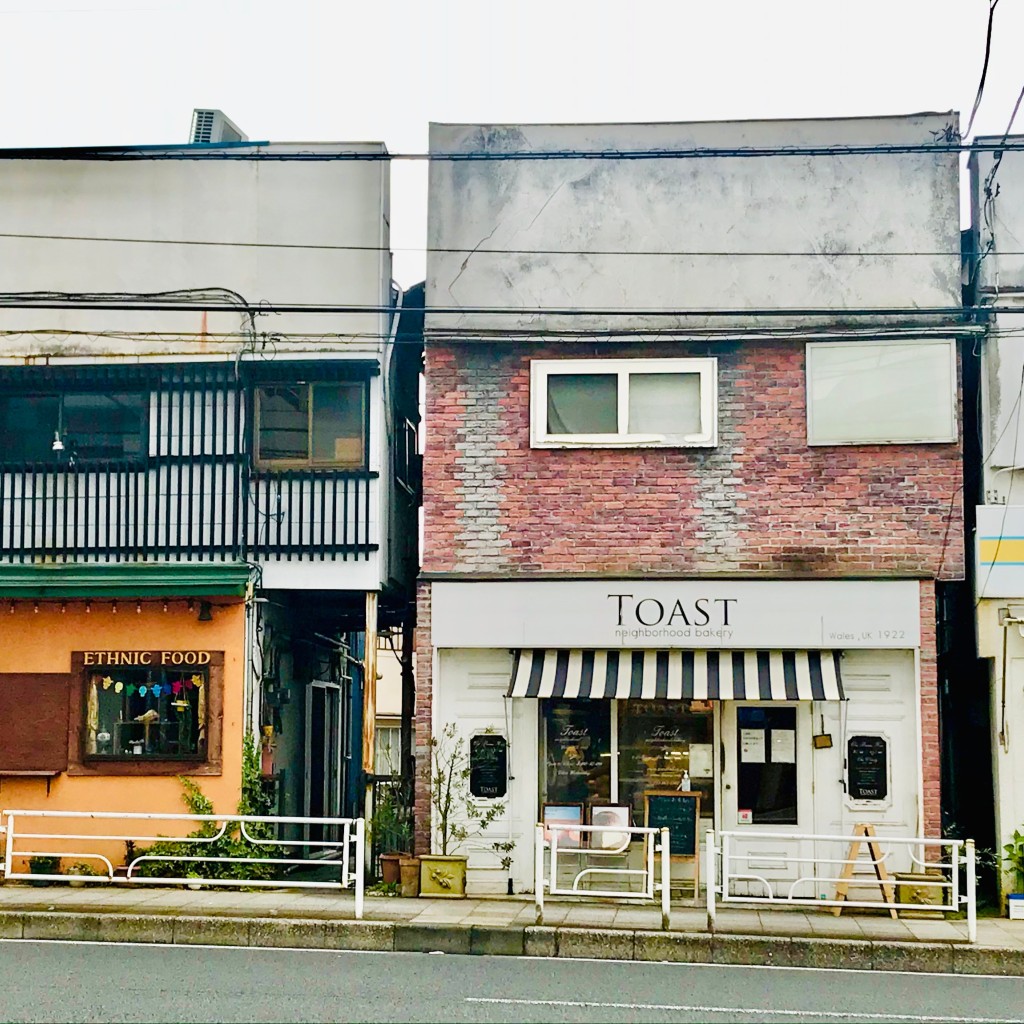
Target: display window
x,y
146,713
598,752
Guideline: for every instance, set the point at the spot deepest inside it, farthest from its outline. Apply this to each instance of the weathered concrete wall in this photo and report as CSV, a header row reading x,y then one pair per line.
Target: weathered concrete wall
x,y
842,232
999,218
761,502
280,218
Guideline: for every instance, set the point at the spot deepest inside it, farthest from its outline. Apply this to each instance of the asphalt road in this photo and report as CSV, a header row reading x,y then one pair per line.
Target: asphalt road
x,y
105,982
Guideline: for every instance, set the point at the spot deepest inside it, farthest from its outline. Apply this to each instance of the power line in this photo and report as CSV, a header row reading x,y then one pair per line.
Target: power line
x,y
314,246
984,66
166,302
257,152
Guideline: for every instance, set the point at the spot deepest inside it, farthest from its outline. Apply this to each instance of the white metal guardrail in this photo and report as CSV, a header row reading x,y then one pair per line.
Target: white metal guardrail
x,y
21,844
656,848
821,865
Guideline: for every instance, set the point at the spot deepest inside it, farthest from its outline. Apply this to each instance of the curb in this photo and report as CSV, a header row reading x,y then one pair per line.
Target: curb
x,y
496,940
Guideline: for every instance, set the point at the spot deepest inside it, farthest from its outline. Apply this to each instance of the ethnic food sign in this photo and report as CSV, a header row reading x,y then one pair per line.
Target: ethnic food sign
x,y
772,614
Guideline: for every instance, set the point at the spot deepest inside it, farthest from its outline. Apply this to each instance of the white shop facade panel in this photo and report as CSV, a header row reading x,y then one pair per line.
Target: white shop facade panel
x,y
788,706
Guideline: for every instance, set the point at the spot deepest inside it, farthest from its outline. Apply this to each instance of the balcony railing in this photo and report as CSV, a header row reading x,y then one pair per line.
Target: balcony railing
x,y
192,492
206,507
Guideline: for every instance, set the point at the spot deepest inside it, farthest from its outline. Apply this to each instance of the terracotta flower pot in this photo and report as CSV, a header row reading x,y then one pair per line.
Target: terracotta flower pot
x,y
390,872
409,870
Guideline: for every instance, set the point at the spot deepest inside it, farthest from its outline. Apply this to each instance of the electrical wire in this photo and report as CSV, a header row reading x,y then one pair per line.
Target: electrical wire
x,y
456,250
946,143
169,302
984,66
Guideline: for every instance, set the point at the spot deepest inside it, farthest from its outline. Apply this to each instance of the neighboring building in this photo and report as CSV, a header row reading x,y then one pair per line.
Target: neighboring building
x,y
667,530
205,505
997,279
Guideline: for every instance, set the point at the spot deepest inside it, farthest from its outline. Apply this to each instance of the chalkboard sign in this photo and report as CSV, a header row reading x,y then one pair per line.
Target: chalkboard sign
x,y
679,812
867,759
488,766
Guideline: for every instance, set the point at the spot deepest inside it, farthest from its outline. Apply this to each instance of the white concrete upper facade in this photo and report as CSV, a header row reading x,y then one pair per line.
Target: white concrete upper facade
x,y
277,231
808,212
998,216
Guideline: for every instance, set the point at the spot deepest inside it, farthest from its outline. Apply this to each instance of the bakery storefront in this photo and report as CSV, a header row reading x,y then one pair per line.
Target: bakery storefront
x,y
788,706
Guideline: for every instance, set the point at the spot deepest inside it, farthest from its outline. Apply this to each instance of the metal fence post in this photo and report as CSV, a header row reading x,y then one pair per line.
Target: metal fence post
x,y
8,834
972,895
954,859
666,881
712,877
360,865
538,873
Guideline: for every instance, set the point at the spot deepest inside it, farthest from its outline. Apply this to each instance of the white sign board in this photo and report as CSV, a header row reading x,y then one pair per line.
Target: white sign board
x,y
716,614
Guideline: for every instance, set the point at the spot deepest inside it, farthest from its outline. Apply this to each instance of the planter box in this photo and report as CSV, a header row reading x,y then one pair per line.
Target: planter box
x,y
920,888
442,876
1015,906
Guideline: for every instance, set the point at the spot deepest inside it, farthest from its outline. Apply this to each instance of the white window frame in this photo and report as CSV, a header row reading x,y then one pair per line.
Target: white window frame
x,y
953,435
542,369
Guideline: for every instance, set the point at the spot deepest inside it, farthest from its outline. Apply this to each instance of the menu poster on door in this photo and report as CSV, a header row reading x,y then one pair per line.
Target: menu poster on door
x,y
783,746
701,761
752,749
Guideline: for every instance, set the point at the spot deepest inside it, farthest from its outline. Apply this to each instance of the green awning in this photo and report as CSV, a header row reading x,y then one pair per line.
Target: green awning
x,y
124,579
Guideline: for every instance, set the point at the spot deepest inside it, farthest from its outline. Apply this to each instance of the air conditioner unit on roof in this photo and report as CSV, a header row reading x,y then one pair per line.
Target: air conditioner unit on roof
x,y
213,126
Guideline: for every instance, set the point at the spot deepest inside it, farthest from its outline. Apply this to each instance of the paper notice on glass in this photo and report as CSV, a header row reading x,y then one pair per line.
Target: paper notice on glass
x,y
701,765
783,746
752,746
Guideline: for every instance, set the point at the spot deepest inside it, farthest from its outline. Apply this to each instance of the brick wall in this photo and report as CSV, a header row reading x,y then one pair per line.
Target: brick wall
x,y
760,503
421,722
931,751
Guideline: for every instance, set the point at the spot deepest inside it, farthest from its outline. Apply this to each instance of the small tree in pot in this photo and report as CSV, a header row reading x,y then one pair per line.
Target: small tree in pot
x,y
1013,855
457,816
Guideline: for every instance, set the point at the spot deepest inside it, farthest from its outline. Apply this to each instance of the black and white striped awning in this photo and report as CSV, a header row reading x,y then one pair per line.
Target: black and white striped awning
x,y
677,675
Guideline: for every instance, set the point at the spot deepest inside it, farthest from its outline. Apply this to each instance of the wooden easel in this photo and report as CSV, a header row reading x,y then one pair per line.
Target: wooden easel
x,y
865,834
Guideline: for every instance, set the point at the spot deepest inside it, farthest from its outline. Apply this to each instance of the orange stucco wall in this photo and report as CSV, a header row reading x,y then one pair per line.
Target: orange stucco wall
x,y
42,641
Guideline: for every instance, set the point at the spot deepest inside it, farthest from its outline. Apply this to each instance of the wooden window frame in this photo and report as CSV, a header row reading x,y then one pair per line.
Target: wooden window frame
x,y
80,763
309,462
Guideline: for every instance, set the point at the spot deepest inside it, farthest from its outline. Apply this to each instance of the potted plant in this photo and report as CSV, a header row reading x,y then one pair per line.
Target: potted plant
x,y
457,816
43,866
1013,856
390,831
79,871
504,851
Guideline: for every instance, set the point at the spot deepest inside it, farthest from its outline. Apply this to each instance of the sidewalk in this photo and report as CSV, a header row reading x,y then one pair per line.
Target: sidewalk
x,y
507,926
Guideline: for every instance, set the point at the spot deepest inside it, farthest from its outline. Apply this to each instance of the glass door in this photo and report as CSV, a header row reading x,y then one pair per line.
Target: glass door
x,y
766,749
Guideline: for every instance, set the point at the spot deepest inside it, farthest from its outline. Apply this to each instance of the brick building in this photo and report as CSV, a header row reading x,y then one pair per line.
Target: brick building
x,y
693,471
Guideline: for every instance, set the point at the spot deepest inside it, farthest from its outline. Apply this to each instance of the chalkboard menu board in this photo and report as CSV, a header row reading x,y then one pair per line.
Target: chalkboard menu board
x,y
488,765
867,760
678,812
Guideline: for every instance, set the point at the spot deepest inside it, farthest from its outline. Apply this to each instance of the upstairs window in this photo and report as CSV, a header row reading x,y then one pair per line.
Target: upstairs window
x,y
894,392
605,403
74,427
312,424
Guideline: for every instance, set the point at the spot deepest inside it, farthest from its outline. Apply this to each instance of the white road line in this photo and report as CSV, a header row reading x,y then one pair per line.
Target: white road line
x,y
751,1011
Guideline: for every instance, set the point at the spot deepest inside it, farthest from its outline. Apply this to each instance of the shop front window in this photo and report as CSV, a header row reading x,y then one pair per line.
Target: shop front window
x,y
766,765
665,745
146,713
577,739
